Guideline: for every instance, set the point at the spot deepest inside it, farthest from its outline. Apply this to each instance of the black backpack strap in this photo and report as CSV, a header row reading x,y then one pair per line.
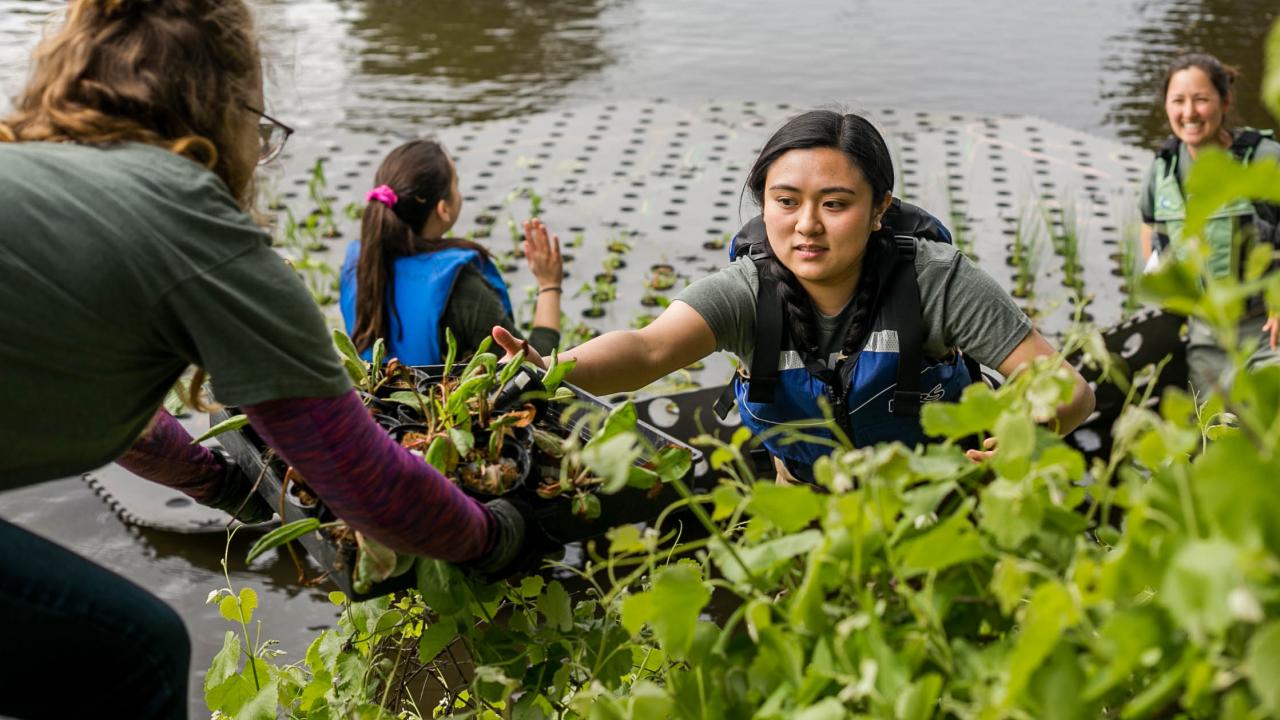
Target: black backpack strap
x,y
762,384
769,333
905,315
1245,143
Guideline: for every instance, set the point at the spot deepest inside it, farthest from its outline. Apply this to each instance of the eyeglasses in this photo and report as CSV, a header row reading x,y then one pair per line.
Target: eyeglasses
x,y
272,134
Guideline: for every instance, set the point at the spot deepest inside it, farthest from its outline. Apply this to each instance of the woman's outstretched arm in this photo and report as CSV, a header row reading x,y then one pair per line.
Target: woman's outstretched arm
x,y
625,360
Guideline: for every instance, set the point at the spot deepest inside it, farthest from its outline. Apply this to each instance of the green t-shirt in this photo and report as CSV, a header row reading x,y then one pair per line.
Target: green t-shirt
x,y
1268,148
963,309
474,308
121,267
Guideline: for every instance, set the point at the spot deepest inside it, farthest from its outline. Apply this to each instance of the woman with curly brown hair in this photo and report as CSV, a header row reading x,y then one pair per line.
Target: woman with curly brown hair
x,y
127,257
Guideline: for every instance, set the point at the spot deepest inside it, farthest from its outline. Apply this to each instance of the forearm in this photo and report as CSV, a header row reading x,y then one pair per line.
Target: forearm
x,y
617,361
164,454
546,313
1075,411
376,486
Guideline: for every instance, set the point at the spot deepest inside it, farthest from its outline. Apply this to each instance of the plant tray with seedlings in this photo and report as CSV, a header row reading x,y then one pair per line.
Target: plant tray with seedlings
x,y
495,430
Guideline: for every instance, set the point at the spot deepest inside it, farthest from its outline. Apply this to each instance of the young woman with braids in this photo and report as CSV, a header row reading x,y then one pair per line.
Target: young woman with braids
x,y
404,281
128,256
824,183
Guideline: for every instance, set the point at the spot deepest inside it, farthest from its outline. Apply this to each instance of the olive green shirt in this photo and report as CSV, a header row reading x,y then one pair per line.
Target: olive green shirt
x,y
120,268
1268,148
474,308
963,308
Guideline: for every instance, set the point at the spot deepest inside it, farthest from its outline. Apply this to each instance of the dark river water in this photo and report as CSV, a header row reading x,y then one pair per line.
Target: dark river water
x,y
408,66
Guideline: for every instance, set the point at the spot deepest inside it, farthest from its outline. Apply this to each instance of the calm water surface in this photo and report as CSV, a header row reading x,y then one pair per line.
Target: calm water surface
x,y
406,66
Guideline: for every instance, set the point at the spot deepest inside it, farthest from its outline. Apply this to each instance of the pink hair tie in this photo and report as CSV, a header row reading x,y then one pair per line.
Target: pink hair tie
x,y
383,194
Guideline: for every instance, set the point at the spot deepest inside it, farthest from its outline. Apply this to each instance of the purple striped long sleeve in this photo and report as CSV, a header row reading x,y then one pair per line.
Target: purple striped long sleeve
x,y
164,454
376,486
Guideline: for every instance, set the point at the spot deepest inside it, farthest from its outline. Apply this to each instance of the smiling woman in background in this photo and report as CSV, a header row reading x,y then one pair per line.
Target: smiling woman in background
x,y
1197,100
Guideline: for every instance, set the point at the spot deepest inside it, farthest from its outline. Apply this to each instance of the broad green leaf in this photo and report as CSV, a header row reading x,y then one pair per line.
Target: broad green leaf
x,y
624,539
1009,583
226,662
1263,664
435,638
375,562
975,413
1197,584
726,499
948,543
351,362
622,419
442,586
789,507
920,699
1010,512
281,535
263,704
463,441
1217,178
531,586
826,709
1049,614
1237,492
224,687
611,459
235,422
678,596
554,605
557,372
1124,640
764,557
439,453
672,463
1016,434
248,603
637,610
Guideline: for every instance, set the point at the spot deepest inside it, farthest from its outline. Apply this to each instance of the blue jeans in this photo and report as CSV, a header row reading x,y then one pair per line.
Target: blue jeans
x,y
83,641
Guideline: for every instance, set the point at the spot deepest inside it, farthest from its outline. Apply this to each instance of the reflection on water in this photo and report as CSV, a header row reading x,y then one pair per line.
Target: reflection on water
x,y
474,60
405,67
1233,30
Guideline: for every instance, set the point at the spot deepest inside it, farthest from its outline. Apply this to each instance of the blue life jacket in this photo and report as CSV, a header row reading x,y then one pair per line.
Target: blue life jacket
x,y
875,394
417,295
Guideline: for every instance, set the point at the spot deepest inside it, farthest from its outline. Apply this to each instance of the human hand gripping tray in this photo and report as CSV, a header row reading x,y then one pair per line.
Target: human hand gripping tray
x,y
581,465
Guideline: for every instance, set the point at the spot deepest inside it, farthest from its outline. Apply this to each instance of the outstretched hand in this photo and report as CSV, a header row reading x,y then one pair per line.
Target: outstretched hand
x,y
542,252
511,346
989,449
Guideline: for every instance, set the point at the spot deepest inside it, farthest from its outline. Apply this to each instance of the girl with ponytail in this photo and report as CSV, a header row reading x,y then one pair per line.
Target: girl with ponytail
x,y
824,185
405,281
128,256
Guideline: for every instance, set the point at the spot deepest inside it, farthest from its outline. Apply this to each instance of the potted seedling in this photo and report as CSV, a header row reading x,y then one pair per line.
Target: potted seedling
x,y
662,276
494,429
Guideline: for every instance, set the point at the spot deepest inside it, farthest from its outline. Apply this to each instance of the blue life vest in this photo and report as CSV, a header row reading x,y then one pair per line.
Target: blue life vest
x,y
420,291
874,394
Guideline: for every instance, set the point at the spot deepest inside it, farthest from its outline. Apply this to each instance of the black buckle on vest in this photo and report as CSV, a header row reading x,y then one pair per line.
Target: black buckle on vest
x,y
905,403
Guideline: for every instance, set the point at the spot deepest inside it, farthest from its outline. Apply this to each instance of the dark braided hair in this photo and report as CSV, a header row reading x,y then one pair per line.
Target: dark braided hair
x,y
865,147
421,175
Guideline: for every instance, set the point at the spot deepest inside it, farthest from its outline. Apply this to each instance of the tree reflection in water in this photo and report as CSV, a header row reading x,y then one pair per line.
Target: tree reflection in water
x,y
445,63
1233,30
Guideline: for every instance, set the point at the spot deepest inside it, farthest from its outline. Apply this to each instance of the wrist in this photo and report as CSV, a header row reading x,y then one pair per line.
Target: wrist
x,y
550,288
